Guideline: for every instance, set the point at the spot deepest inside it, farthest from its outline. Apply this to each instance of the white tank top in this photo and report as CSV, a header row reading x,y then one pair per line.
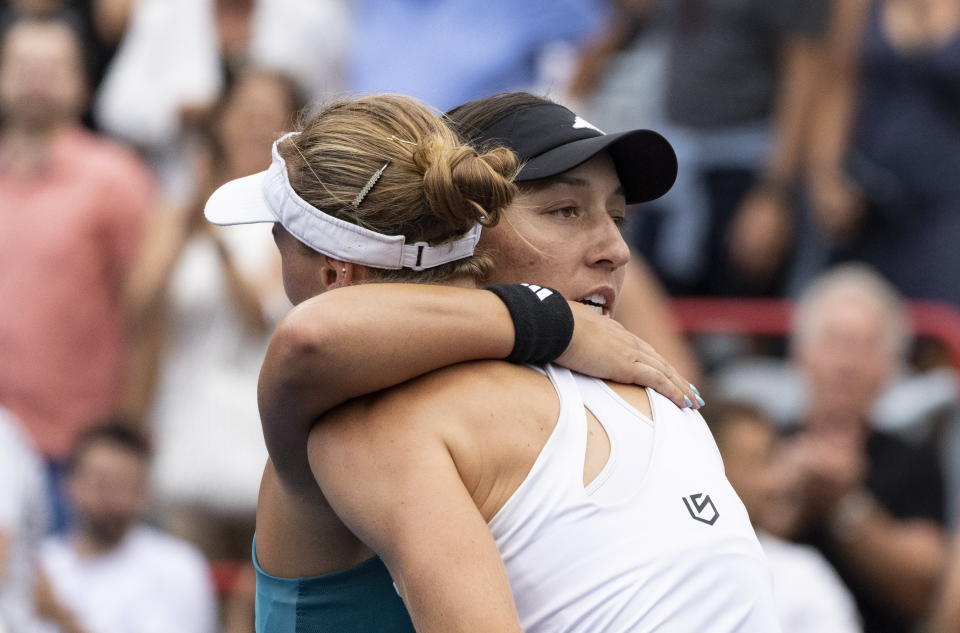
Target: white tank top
x,y
658,541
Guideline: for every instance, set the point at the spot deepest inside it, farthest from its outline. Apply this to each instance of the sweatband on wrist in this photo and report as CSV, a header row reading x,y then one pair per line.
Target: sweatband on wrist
x,y
542,322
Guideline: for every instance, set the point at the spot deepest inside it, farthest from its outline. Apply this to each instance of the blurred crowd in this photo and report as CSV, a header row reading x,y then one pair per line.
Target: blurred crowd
x,y
819,151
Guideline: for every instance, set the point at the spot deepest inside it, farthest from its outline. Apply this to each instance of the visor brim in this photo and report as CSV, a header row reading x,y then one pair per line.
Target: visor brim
x,y
239,201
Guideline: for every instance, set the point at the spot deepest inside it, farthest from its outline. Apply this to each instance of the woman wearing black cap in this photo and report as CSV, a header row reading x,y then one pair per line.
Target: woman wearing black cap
x,y
563,225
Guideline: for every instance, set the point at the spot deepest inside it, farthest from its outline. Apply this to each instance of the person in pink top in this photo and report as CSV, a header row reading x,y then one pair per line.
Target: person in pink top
x,y
72,207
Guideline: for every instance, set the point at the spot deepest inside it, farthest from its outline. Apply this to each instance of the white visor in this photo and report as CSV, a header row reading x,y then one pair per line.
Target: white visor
x,y
268,197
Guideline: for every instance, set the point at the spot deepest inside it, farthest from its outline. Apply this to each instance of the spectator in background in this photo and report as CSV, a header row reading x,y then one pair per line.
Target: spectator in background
x,y
204,301
210,297
72,206
619,75
448,52
874,504
739,78
111,574
885,159
99,24
158,85
810,596
23,523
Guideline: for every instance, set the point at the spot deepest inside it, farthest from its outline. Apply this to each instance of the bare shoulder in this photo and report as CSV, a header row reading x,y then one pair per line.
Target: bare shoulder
x,y
470,377
435,399
488,419
483,414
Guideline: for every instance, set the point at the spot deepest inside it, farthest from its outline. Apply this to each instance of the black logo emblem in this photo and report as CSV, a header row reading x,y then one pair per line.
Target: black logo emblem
x,y
701,510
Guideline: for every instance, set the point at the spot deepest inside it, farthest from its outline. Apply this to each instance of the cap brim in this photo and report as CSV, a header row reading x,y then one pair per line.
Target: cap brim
x,y
645,162
239,201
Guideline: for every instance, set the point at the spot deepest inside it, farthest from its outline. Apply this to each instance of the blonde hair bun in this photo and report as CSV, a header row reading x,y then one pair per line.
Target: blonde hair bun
x,y
463,187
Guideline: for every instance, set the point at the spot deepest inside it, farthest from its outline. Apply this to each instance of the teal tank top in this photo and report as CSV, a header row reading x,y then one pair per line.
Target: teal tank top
x,y
360,599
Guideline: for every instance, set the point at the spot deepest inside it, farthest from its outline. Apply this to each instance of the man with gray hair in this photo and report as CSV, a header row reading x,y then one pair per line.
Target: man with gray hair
x,y
874,503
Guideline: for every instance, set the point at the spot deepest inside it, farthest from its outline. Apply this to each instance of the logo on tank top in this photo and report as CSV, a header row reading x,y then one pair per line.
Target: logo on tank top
x,y
701,508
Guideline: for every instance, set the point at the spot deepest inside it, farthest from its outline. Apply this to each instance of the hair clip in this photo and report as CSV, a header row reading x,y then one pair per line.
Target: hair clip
x,y
370,183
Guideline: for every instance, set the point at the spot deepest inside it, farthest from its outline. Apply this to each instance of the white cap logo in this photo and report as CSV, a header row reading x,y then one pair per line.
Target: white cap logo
x,y
580,122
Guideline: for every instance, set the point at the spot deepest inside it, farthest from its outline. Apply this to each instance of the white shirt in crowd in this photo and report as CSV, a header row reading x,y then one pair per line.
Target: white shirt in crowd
x,y
151,583
23,522
809,596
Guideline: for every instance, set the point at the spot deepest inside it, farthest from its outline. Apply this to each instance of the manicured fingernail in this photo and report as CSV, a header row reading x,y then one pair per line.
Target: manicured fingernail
x,y
700,400
694,388
686,401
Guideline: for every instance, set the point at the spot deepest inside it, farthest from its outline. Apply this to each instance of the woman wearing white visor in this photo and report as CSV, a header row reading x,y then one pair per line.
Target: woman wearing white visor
x,y
388,165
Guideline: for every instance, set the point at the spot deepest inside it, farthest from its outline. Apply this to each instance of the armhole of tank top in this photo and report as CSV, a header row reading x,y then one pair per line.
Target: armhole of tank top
x,y
591,489
540,462
632,410
613,456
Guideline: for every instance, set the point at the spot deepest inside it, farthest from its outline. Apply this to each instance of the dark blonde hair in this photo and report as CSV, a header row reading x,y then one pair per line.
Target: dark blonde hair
x,y
434,188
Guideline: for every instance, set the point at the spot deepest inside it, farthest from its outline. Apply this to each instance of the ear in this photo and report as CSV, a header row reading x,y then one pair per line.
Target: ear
x,y
336,273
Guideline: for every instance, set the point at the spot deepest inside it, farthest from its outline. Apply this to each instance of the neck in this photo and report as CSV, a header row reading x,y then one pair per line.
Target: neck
x,y
823,419
26,150
88,544
463,281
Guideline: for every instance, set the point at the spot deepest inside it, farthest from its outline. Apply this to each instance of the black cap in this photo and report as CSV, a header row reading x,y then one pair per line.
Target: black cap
x,y
549,139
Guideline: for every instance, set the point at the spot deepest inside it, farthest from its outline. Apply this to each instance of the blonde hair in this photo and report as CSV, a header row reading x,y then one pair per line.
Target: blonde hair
x,y
434,187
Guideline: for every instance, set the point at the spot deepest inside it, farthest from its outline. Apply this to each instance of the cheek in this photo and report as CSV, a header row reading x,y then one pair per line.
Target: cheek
x,y
618,276
294,278
514,258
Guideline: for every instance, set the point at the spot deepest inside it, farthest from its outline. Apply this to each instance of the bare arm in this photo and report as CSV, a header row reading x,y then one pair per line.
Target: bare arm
x,y
358,340
901,560
801,61
397,487
760,229
594,58
110,18
243,291
835,198
168,232
946,613
833,114
145,310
